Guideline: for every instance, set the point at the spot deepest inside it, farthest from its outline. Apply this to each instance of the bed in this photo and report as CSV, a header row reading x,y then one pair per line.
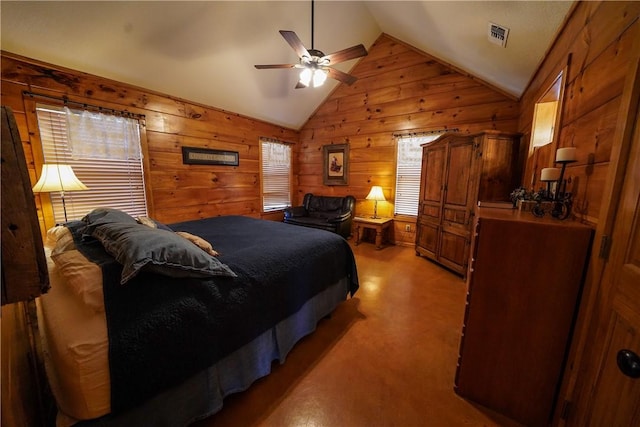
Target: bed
x,y
136,339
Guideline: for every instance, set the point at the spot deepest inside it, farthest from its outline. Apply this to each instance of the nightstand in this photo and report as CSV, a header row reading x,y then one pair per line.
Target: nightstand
x,y
378,224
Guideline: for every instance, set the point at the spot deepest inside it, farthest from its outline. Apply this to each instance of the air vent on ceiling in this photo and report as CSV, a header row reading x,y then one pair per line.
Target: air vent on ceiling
x,y
498,34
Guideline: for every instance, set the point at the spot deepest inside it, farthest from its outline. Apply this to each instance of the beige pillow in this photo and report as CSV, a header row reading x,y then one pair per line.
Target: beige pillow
x,y
82,276
59,238
199,242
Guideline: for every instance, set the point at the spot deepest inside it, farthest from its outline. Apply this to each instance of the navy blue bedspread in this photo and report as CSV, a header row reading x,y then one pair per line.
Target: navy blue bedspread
x,y
163,330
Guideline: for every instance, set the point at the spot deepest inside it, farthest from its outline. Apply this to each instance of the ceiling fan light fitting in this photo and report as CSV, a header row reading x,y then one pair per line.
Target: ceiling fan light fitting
x,y
314,75
305,76
319,77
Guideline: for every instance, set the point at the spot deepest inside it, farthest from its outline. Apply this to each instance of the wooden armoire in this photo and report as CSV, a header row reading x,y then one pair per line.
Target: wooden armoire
x,y
458,170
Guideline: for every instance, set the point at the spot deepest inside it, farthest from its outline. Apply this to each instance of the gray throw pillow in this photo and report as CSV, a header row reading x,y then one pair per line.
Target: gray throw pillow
x,y
141,248
100,216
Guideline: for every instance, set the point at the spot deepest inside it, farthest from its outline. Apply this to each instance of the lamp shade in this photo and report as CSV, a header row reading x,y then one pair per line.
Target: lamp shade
x,y
376,194
55,177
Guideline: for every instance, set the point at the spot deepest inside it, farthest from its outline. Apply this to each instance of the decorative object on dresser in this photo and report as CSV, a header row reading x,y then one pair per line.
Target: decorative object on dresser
x,y
521,198
458,170
560,200
549,175
377,195
380,225
523,294
57,177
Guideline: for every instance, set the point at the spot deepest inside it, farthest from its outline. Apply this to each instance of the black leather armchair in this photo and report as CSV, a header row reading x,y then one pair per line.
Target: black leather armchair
x,y
324,212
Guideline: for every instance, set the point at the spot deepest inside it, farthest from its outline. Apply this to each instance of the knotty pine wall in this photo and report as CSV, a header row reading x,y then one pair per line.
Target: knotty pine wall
x,y
176,192
399,90
595,47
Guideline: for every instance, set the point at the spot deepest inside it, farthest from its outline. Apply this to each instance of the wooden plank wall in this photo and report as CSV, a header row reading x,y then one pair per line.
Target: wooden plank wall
x,y
176,192
595,44
399,90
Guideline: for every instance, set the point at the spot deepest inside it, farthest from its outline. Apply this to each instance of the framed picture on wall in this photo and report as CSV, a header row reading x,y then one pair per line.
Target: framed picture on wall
x,y
207,156
335,164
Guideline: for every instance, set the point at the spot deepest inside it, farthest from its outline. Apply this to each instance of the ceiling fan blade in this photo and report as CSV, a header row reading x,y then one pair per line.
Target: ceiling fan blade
x,y
295,43
346,54
343,77
262,67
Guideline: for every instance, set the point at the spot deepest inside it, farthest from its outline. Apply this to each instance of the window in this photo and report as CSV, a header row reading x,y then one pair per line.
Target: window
x,y
408,167
276,174
104,152
546,114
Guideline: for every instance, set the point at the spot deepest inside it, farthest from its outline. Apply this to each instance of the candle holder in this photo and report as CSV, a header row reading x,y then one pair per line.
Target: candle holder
x,y
561,200
550,175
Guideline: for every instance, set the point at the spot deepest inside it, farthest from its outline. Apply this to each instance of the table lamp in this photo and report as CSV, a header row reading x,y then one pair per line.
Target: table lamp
x,y
377,195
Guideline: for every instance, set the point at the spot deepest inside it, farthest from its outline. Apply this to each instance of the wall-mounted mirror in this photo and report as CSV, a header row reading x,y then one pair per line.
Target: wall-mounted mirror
x,y
546,115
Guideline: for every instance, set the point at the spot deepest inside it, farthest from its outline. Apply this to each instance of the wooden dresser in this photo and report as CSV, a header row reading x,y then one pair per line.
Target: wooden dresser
x,y
457,171
523,293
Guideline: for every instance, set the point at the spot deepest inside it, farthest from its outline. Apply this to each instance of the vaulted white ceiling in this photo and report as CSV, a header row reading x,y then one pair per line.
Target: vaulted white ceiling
x,y
205,51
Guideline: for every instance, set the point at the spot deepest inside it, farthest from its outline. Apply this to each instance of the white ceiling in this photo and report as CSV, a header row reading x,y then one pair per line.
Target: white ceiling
x,y
205,51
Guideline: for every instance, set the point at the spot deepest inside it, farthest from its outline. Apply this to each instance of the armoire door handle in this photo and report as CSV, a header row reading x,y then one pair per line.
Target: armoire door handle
x,y
629,363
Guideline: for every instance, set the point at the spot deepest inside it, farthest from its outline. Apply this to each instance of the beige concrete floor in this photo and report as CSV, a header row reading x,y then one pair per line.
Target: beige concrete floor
x,y
385,358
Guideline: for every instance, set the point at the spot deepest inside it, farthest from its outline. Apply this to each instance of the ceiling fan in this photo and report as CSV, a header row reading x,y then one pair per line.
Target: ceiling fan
x,y
315,65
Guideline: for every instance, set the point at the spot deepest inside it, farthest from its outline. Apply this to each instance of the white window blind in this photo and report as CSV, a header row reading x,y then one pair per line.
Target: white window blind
x,y
276,175
115,178
408,166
